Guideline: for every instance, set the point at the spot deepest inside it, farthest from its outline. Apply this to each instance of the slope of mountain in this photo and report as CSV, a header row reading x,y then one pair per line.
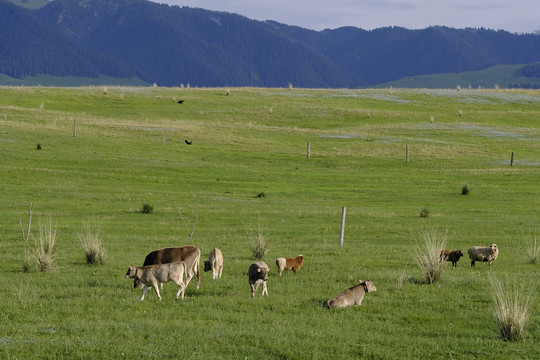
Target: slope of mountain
x,y
29,46
183,45
171,45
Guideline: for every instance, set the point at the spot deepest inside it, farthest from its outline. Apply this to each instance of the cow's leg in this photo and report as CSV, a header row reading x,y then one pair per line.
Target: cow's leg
x,y
294,270
214,272
181,289
265,289
472,263
156,289
254,288
220,271
144,292
198,278
490,264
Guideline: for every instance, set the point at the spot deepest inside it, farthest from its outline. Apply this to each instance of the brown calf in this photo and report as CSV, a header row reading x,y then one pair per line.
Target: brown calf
x,y
453,256
289,264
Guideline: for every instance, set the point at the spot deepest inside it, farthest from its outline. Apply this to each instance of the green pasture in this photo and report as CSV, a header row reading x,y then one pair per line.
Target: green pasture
x,y
106,151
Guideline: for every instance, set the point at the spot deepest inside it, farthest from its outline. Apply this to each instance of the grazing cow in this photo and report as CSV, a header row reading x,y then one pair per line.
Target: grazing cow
x,y
258,273
289,264
214,263
453,256
152,275
189,254
352,296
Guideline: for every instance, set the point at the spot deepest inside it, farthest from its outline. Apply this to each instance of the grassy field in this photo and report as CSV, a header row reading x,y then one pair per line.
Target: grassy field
x,y
247,171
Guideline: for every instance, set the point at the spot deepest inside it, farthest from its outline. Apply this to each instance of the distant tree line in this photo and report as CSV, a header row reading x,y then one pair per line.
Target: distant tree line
x,y
532,70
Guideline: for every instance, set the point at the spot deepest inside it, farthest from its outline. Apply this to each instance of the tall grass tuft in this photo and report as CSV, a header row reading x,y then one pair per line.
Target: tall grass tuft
x,y
531,248
427,255
92,244
28,261
45,247
512,305
425,212
257,238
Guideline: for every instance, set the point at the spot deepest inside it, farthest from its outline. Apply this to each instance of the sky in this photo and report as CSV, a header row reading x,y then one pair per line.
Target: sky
x,y
516,16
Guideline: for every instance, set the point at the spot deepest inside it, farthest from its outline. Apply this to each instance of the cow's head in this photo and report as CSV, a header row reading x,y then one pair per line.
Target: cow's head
x,y
459,253
207,266
263,273
132,272
494,247
368,285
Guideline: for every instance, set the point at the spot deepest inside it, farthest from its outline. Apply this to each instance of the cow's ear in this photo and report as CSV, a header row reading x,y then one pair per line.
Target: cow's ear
x,y
259,269
361,281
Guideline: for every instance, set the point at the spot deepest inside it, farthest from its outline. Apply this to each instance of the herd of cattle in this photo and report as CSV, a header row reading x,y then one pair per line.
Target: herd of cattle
x,y
181,264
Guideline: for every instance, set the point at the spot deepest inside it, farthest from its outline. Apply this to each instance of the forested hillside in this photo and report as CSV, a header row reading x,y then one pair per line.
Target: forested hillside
x,y
171,45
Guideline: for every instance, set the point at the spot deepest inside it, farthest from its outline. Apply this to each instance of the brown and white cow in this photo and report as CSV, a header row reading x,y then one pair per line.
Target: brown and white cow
x,y
352,296
189,254
289,264
152,275
258,273
214,263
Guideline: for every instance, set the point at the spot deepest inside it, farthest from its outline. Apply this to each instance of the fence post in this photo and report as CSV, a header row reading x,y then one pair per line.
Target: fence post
x,y
74,127
407,152
342,226
512,159
308,149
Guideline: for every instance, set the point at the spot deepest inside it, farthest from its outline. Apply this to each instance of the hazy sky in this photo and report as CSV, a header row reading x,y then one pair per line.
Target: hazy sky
x,y
520,16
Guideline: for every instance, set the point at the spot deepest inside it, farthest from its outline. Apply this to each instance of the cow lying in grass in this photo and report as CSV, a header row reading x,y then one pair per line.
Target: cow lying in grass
x,y
289,264
258,273
152,275
352,296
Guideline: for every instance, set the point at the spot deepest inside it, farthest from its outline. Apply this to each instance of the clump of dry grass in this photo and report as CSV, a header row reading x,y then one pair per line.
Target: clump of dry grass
x,y
512,305
531,248
45,247
258,242
427,255
92,244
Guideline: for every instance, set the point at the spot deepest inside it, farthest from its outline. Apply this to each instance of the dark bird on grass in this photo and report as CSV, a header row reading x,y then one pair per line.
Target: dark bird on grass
x,y
180,101
188,142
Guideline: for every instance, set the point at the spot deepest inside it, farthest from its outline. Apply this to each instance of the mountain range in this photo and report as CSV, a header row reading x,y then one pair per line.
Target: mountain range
x,y
174,46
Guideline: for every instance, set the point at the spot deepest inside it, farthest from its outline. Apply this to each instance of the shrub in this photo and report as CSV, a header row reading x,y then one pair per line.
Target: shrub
x,y
465,189
424,212
512,304
532,249
427,255
45,247
28,261
258,242
38,147
92,244
147,209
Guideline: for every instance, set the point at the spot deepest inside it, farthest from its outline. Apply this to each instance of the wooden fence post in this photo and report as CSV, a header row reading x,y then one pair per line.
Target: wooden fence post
x,y
342,226
407,152
308,149
512,159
